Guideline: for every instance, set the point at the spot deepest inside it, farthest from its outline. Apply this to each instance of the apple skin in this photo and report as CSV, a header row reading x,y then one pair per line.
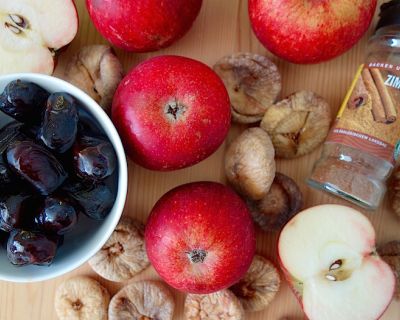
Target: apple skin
x,y
156,138
143,25
310,31
205,216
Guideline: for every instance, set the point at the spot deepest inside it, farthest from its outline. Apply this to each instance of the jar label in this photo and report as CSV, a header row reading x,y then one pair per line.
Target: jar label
x,y
369,116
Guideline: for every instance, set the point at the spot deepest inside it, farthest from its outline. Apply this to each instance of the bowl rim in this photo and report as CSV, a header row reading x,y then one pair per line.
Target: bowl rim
x,y
119,204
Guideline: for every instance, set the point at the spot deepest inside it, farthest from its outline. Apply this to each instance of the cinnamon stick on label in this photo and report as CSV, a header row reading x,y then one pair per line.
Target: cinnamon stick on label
x,y
378,111
360,96
388,105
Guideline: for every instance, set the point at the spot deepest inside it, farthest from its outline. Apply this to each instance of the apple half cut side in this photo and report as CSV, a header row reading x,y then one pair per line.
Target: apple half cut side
x,y
31,32
329,258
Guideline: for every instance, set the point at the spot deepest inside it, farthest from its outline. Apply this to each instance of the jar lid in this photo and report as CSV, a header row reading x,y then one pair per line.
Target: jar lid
x,y
389,15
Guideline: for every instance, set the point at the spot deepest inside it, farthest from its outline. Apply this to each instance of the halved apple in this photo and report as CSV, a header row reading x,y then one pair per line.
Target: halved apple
x,y
31,31
328,256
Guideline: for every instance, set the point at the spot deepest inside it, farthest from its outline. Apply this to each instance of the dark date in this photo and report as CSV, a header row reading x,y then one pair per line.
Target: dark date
x,y
96,200
36,165
60,122
16,211
94,158
31,247
24,101
8,134
57,215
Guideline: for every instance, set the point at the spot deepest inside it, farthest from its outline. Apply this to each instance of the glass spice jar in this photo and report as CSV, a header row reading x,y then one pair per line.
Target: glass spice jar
x,y
363,146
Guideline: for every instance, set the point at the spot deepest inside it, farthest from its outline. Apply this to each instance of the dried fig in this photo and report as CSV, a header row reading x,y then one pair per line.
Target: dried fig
x,y
250,164
81,298
390,252
221,305
281,203
259,286
253,83
240,118
142,300
123,255
298,124
97,71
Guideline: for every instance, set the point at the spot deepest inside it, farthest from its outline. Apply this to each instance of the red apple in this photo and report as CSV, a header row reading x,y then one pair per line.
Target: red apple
x,y
329,258
310,31
32,31
200,237
171,112
143,25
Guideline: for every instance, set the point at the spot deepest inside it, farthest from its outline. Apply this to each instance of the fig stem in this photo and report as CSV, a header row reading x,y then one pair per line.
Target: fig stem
x,y
197,255
77,305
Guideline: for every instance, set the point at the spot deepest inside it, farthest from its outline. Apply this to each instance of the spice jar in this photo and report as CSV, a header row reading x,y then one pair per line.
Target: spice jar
x,y
362,147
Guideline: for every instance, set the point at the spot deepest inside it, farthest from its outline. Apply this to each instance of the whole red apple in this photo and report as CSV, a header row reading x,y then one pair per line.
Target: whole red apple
x,y
310,31
200,237
143,25
171,112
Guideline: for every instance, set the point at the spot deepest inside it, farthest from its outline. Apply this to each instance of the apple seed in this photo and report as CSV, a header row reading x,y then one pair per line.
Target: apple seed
x,y
330,277
19,21
336,265
12,28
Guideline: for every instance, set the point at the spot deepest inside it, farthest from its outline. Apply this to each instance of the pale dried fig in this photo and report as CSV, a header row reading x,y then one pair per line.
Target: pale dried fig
x,y
298,124
259,286
81,298
281,203
221,305
97,71
253,83
142,300
390,252
240,118
124,255
250,163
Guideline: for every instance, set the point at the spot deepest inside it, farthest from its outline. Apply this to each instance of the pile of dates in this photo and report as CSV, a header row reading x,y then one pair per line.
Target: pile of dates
x,y
55,165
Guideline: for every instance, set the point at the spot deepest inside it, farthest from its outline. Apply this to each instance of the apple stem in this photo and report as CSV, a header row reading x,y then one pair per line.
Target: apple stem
x,y
197,255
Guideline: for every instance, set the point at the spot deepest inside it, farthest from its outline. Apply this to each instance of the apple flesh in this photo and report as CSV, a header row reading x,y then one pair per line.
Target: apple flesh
x,y
328,256
32,31
143,25
200,237
171,112
310,31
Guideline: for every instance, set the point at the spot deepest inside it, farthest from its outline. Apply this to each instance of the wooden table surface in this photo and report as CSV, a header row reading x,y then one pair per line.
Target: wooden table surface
x,y
221,28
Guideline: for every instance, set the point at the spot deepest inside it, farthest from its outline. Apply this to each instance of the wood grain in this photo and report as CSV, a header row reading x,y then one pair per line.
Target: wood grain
x,y
222,28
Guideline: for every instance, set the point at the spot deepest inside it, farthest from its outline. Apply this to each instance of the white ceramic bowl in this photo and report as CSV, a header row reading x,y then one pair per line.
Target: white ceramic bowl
x,y
88,236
